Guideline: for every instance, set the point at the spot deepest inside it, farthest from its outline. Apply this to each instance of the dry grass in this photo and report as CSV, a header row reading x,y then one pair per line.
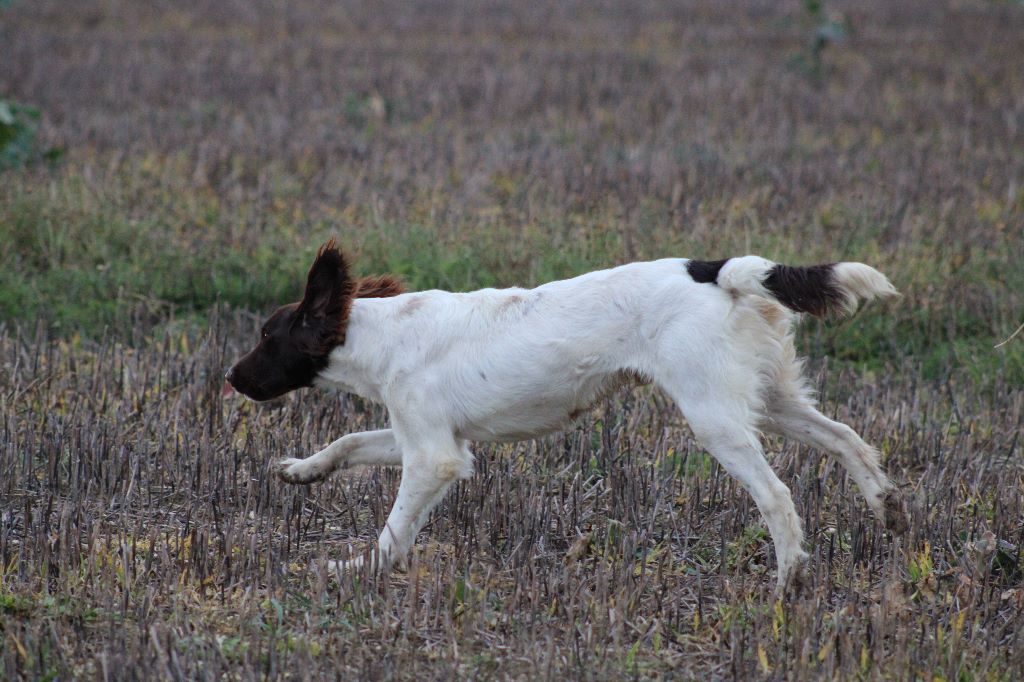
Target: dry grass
x,y
212,146
141,531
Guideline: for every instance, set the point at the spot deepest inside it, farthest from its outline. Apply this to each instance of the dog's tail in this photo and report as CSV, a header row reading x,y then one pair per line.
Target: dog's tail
x,y
818,289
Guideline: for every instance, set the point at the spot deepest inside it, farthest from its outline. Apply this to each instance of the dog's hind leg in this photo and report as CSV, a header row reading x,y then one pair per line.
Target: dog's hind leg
x,y
722,421
369,447
791,414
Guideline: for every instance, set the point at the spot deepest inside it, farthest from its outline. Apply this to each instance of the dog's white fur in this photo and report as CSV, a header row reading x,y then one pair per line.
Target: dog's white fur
x,y
511,364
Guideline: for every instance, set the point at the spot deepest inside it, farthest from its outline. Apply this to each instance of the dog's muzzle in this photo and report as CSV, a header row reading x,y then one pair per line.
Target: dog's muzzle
x,y
229,384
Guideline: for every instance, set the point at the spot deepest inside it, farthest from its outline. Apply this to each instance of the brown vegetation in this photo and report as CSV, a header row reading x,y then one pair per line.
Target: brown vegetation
x,y
469,144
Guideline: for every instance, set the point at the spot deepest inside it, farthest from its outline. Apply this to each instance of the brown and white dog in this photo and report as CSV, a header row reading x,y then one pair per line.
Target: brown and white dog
x,y
512,364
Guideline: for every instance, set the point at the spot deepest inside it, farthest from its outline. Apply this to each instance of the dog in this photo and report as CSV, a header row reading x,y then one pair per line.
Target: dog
x,y
510,364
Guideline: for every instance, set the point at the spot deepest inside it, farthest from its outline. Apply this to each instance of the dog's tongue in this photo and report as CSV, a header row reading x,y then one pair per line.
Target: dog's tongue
x,y
226,390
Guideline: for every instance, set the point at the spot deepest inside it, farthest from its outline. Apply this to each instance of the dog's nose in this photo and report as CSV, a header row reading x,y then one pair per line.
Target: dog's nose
x,y
230,375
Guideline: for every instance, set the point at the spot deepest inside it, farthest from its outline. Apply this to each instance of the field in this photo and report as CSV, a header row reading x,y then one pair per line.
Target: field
x,y
208,148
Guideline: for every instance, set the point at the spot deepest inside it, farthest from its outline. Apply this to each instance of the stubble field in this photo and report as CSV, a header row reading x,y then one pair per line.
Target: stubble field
x,y
210,147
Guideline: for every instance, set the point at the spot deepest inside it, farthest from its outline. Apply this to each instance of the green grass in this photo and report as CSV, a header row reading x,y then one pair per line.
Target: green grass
x,y
81,261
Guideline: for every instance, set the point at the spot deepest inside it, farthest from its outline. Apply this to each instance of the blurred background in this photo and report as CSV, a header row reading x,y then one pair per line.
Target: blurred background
x,y
168,169
188,153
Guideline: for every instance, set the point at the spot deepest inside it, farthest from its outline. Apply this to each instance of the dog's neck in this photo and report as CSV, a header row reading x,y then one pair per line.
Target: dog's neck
x,y
362,364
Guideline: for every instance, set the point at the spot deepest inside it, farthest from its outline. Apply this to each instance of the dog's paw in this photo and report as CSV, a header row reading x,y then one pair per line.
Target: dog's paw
x,y
337,569
797,582
896,521
371,563
298,471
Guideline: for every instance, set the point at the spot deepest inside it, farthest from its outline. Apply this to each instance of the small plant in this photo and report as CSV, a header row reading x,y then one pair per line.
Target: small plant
x,y
921,570
17,133
824,32
18,124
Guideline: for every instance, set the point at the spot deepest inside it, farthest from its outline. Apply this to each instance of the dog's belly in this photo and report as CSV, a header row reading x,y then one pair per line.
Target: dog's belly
x,y
540,415
525,423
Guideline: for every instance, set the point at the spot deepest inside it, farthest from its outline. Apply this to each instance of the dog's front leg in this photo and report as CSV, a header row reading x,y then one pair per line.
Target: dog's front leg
x,y
369,447
429,467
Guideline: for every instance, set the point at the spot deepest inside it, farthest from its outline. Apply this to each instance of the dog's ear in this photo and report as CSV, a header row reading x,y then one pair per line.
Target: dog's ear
x,y
329,288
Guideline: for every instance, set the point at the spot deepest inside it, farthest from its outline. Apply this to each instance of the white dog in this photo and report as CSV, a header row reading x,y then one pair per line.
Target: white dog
x,y
511,364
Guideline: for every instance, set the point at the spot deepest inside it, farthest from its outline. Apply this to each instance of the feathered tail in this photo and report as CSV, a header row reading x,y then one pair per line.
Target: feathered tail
x,y
817,289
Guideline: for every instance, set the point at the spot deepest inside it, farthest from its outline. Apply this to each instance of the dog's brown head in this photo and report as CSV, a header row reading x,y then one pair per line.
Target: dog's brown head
x,y
296,341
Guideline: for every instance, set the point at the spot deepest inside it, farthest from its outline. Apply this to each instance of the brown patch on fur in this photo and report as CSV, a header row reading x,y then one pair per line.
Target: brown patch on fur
x,y
379,286
705,271
772,313
809,289
411,306
509,302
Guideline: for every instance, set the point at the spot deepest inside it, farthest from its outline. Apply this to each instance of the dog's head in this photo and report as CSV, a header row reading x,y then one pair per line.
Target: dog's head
x,y
297,340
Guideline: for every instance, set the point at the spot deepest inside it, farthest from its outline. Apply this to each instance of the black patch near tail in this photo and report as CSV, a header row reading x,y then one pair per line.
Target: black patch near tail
x,y
705,271
805,290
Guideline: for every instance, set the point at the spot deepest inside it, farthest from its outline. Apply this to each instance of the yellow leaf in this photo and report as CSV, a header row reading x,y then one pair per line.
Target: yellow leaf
x,y
958,624
762,658
21,649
